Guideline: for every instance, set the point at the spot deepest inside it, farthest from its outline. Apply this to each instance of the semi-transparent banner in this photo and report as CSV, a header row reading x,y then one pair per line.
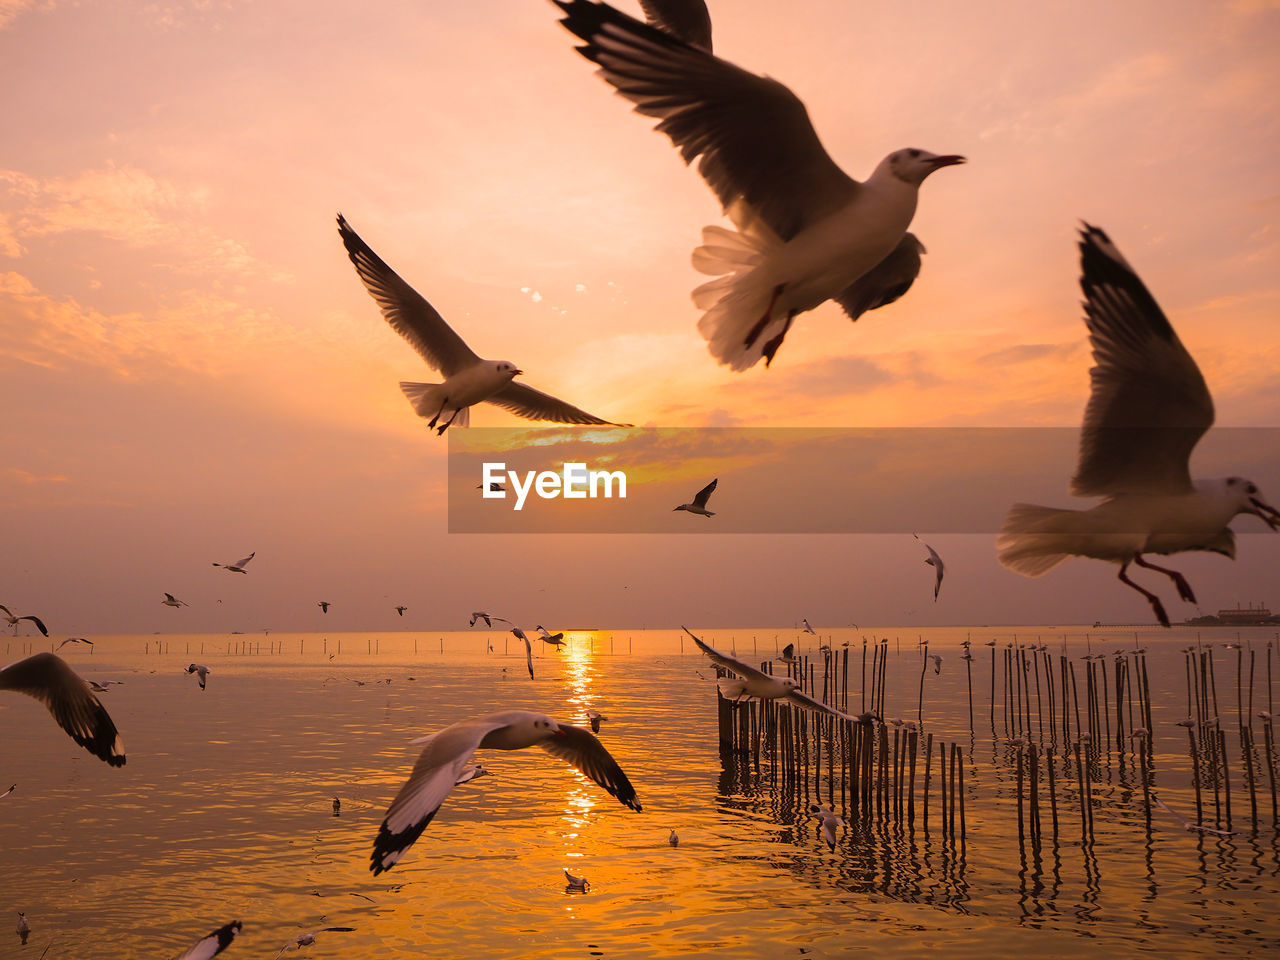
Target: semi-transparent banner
x,y
807,480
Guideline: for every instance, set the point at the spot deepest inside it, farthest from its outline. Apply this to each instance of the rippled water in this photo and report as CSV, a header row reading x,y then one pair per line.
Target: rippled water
x,y
224,811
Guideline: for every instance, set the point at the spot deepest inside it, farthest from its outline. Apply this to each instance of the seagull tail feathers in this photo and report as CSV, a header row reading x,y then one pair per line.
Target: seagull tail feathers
x,y
1035,539
731,688
426,402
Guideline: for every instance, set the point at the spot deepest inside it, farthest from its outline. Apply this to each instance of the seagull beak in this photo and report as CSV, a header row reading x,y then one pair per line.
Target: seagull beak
x,y
1266,512
517,373
948,160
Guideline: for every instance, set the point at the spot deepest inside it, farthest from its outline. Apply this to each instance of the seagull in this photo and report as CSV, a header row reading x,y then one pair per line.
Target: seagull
x,y
939,567
237,567
594,717
47,677
103,686
469,773
686,19
487,618
213,944
788,654
807,232
307,939
674,839
447,752
13,621
74,640
528,649
24,928
468,379
937,662
1187,824
555,639
829,822
323,605
751,682
201,672
807,628
9,791
576,883
171,601
337,807
1148,407
699,505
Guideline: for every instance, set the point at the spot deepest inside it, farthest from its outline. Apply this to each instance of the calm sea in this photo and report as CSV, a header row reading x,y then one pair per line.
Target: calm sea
x,y
224,810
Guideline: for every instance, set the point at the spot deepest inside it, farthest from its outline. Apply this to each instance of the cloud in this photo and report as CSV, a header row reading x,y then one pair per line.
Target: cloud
x,y
10,10
1027,352
25,477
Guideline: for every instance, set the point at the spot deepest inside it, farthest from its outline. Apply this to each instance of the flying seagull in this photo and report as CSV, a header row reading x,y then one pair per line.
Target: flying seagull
x,y
201,672
1189,825
687,19
1148,407
807,628
699,505
238,566
447,752
13,621
488,618
47,677
807,232
9,791
323,605
213,944
594,717
750,682
401,610
468,379
75,640
307,939
555,639
939,568
528,648
171,601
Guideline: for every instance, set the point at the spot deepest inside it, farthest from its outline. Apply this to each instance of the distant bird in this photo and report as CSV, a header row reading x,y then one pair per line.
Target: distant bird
x,y
201,672
307,939
750,682
789,654
323,605
576,883
74,640
528,649
555,639
829,823
674,839
1148,408
468,379
469,773
171,601
24,928
238,566
699,505
807,232
446,753
337,806
9,791
494,487
213,944
939,567
937,662
47,678
686,19
594,717
102,687
13,621
1188,825
806,628
401,610
488,618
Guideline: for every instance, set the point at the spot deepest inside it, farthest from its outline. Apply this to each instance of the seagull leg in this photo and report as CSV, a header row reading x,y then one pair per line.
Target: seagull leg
x,y
438,412
1152,599
754,333
772,346
1184,588
443,428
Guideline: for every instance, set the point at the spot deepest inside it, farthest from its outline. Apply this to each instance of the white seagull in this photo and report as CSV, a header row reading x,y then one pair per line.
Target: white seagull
x,y
829,822
469,773
213,944
468,379
806,628
576,883
13,621
751,682
555,639
74,640
9,791
1188,825
699,505
47,678
1148,407
788,654
939,567
937,662
488,618
307,939
201,672
594,717
237,567
807,232
171,601
446,753
687,19
528,649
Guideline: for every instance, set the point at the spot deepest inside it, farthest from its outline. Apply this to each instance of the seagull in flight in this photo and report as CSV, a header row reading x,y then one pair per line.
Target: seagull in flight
x,y
555,639
750,682
323,605
14,621
1148,408
488,618
939,567
47,678
307,939
9,791
237,567
807,232
528,648
468,378
806,628
213,944
687,19
401,610
1188,825
788,654
74,640
201,672
171,601
594,717
699,505
446,753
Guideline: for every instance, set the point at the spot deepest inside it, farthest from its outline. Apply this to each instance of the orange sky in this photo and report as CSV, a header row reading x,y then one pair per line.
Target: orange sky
x,y
190,369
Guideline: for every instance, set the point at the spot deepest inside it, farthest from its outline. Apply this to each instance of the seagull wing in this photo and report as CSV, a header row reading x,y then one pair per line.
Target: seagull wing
x,y
753,134
579,747
886,282
1148,405
406,310
729,663
213,944
803,700
433,776
48,679
687,19
704,494
524,401
245,561
39,624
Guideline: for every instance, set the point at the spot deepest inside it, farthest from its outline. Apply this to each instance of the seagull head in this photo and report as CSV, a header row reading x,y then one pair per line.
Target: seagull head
x,y
912,165
506,368
1248,500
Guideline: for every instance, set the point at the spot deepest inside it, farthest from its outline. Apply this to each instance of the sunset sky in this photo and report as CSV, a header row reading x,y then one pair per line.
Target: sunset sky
x,y
190,369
